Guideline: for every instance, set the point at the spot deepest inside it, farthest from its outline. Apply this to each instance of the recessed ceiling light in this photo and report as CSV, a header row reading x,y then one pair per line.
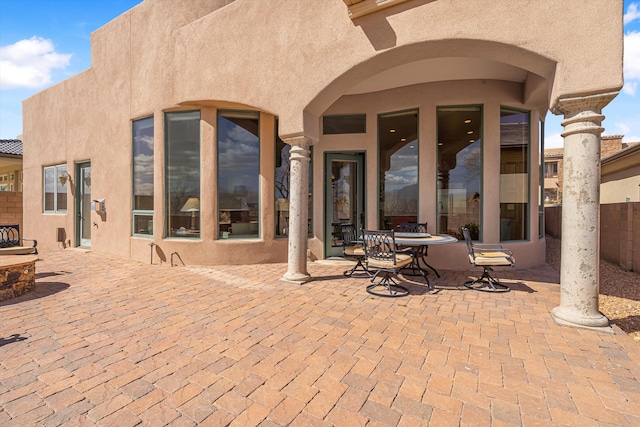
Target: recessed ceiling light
x,y
412,146
440,143
403,139
472,140
469,132
392,130
468,121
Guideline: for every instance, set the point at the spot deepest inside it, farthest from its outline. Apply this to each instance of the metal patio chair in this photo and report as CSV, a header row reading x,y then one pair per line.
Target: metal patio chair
x,y
382,255
412,227
352,249
487,256
422,251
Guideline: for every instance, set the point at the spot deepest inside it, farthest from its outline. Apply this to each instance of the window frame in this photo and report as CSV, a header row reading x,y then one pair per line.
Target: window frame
x,y
166,191
58,169
481,190
527,209
141,212
362,116
380,193
219,234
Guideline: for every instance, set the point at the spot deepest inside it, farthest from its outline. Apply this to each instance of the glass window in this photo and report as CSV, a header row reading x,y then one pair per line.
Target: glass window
x,y
183,173
143,176
347,123
459,170
55,188
282,184
398,157
551,169
238,173
541,179
514,175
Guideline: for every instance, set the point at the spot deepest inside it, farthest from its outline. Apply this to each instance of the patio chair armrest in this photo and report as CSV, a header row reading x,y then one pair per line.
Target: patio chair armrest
x,y
487,246
488,252
407,250
35,243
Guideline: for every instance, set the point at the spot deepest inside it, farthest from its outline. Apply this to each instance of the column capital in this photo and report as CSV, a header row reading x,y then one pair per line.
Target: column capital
x,y
569,106
299,141
582,114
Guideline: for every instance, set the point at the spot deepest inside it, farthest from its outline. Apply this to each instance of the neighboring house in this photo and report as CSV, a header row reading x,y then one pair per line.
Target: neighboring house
x,y
243,131
552,176
11,165
621,176
610,147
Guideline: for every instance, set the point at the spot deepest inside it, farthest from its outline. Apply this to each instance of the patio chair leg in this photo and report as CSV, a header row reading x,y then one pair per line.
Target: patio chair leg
x,y
487,283
358,271
393,289
426,279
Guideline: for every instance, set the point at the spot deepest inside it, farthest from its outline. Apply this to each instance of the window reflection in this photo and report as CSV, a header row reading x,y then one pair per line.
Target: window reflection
x,y
398,156
238,173
459,170
143,176
514,175
183,173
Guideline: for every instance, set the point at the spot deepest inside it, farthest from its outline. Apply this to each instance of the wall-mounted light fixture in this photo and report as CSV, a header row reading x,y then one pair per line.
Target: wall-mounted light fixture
x,y
64,177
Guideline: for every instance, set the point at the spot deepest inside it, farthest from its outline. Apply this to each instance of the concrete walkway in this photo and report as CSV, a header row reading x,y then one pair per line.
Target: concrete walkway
x,y
106,341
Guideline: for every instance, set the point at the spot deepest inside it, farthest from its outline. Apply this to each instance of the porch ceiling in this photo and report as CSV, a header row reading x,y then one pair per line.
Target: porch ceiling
x,y
439,69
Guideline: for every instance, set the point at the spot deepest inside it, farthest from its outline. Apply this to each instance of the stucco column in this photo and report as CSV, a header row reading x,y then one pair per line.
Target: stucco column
x,y
298,209
579,270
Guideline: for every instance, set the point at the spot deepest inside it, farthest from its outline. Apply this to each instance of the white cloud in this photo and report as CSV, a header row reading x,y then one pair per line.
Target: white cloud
x,y
29,63
622,128
632,54
630,88
632,13
553,141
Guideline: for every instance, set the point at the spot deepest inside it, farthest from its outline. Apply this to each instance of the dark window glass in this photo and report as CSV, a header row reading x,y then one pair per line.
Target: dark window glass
x,y
183,174
143,176
238,174
541,179
459,170
514,175
398,157
350,123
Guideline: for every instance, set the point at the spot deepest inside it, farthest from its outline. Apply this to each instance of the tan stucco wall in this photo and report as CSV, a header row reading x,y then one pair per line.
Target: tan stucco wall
x,y
620,181
293,60
622,186
323,53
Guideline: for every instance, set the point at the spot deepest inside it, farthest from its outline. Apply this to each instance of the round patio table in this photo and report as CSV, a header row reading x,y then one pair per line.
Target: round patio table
x,y
420,242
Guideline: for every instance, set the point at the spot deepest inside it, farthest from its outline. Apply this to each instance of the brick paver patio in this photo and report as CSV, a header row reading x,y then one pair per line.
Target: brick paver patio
x,y
106,341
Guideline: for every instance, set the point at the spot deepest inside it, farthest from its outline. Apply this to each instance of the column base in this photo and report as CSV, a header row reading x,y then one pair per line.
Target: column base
x,y
564,317
298,278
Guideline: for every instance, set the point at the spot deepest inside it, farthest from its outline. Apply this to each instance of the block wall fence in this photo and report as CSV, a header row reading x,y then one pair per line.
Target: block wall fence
x,y
619,232
11,209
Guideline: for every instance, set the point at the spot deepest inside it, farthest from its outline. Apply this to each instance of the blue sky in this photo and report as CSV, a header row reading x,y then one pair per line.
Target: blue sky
x,y
43,42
